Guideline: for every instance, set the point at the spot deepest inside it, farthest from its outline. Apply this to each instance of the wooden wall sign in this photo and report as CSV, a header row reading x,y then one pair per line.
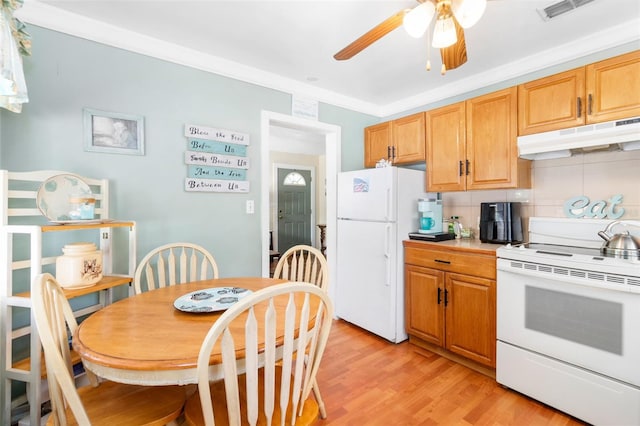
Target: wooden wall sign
x,y
208,159
581,206
216,160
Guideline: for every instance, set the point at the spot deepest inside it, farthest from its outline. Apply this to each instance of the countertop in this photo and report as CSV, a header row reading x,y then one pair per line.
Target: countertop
x,y
463,244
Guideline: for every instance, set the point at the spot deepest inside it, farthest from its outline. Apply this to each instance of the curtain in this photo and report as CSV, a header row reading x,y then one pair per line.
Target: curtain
x,y
14,42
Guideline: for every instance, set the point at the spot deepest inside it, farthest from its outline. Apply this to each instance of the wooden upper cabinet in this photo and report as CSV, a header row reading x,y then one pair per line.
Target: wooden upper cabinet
x,y
472,145
400,141
491,149
377,142
446,140
550,103
613,88
603,91
407,134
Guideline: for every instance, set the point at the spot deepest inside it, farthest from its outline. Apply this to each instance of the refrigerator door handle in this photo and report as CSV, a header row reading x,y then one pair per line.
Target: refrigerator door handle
x,y
387,255
388,194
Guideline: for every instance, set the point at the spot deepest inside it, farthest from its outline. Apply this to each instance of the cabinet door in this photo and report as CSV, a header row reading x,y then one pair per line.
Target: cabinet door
x,y
613,88
377,142
492,151
551,103
471,317
446,148
407,134
424,303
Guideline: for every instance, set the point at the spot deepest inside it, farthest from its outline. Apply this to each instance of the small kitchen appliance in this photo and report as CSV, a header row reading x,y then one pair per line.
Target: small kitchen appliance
x,y
430,215
567,316
500,223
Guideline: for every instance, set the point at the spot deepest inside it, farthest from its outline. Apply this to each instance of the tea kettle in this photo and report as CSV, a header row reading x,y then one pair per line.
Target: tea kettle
x,y
623,244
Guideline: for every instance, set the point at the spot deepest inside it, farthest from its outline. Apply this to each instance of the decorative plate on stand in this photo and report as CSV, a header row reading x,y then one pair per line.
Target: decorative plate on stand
x,y
53,197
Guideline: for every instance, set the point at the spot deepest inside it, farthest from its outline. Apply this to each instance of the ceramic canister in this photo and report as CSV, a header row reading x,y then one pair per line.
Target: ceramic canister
x,y
79,266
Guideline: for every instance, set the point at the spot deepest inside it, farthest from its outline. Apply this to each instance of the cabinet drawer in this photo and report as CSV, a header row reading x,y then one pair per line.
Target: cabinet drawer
x,y
470,264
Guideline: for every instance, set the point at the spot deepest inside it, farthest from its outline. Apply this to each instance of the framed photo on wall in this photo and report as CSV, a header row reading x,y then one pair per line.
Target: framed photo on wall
x,y
113,132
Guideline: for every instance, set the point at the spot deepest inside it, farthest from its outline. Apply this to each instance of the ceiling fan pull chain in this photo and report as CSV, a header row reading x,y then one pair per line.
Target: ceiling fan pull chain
x,y
429,48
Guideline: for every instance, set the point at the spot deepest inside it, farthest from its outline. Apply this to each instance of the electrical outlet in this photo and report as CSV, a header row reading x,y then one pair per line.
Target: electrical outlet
x,y
251,208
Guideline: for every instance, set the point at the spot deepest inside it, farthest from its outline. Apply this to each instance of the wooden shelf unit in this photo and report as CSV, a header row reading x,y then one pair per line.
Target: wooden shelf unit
x,y
22,223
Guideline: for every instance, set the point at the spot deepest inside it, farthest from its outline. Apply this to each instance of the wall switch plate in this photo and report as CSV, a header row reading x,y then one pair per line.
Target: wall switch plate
x,y
251,208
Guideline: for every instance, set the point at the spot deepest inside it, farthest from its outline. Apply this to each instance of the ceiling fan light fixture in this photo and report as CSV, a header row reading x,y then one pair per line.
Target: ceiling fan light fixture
x,y
416,21
468,12
444,34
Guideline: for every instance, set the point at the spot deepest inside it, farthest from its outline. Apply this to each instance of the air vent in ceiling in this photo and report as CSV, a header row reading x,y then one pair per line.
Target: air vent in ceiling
x,y
561,7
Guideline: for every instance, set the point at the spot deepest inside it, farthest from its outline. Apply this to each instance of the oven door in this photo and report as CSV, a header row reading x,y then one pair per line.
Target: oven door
x,y
595,328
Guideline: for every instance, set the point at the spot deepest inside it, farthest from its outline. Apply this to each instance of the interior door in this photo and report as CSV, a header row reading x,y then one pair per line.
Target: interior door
x,y
294,208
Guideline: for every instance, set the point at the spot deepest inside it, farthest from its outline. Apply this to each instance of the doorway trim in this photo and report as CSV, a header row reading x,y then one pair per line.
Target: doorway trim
x,y
313,207
332,142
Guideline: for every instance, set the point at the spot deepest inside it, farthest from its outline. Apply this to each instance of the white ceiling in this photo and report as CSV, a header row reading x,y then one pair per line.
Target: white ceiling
x,y
289,45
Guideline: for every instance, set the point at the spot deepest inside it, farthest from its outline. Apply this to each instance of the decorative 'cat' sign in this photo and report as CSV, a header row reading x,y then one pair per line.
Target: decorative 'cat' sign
x,y
581,206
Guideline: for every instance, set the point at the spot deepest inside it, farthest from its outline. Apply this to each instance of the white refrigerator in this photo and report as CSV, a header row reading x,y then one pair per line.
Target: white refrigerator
x,y
377,208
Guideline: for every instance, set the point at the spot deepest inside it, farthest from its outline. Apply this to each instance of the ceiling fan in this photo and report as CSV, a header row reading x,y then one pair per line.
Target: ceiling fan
x,y
451,17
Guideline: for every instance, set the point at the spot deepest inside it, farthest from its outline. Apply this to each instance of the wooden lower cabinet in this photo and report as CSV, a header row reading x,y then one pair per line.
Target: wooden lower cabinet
x,y
424,305
471,317
449,310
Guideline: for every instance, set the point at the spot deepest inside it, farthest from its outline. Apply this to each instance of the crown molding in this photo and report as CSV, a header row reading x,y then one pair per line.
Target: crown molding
x,y
46,16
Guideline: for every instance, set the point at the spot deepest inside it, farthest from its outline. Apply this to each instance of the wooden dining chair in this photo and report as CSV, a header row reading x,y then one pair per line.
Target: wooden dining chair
x,y
303,263
174,263
106,403
266,385
307,264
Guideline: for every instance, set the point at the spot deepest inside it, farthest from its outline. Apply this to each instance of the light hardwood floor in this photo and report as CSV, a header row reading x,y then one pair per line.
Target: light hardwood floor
x,y
366,380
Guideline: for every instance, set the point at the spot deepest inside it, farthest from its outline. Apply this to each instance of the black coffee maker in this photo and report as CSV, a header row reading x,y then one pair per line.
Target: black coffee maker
x,y
500,223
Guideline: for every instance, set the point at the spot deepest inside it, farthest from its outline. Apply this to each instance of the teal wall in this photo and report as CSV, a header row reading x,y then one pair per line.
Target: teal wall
x,y
66,74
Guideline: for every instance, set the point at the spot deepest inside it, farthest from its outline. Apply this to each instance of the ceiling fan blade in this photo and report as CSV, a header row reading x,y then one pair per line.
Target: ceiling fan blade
x,y
371,36
456,54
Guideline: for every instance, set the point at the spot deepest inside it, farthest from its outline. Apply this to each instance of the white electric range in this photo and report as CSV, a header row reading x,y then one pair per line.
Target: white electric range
x,y
568,322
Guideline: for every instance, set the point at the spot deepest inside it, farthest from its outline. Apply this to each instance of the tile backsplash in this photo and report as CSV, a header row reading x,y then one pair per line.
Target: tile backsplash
x,y
598,176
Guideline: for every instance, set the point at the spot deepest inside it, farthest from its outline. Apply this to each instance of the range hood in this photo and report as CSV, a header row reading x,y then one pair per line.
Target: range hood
x,y
611,135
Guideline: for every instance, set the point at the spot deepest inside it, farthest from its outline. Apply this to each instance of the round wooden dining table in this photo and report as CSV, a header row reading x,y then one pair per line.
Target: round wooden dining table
x,y
145,340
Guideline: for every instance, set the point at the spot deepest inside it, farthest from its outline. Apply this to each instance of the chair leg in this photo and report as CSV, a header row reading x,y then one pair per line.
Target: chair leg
x,y
316,394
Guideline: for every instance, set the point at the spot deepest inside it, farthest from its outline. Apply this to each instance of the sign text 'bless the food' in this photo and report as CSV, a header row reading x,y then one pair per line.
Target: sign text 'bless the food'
x,y
216,160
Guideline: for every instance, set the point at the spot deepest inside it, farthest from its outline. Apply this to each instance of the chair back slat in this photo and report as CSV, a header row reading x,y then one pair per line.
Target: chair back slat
x,y
162,275
270,358
172,264
303,263
275,367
